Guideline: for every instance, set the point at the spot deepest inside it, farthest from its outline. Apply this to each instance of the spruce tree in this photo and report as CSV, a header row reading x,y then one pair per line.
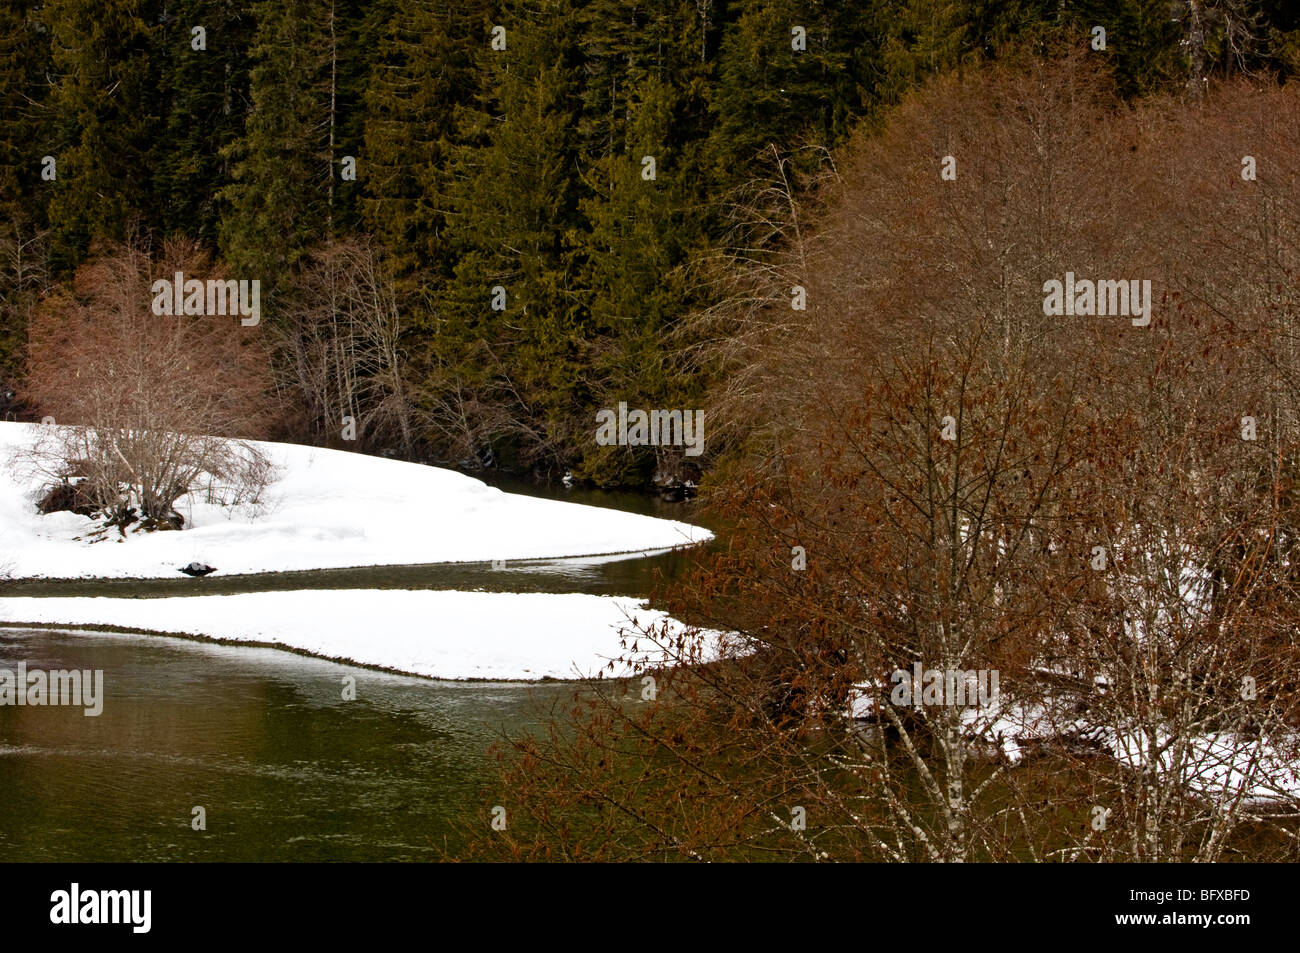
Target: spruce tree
x,y
645,206
514,225
24,141
206,93
425,71
285,169
105,105
24,59
790,73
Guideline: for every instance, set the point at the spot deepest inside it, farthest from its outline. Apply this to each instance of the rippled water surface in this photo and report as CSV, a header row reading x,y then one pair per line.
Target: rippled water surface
x,y
263,740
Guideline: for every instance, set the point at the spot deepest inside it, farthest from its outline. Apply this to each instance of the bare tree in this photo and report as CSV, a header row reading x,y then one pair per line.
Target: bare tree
x,y
148,403
339,342
24,277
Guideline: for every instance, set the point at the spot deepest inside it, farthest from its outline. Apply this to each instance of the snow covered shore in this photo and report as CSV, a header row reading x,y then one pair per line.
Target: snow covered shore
x,y
437,634
328,509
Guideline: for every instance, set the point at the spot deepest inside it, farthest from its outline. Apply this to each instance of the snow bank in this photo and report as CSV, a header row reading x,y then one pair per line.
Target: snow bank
x,y
1223,766
434,633
329,509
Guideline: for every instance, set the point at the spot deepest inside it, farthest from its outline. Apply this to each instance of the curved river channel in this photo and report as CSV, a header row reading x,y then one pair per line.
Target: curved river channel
x,y
262,740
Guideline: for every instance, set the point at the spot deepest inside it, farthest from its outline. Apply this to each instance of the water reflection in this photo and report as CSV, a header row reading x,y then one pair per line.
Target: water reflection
x,y
263,740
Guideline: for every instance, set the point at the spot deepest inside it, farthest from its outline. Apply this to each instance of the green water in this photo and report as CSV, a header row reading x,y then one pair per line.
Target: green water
x,y
262,740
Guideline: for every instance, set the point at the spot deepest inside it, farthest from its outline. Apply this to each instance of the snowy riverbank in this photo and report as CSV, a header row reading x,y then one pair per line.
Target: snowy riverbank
x,y
328,509
437,634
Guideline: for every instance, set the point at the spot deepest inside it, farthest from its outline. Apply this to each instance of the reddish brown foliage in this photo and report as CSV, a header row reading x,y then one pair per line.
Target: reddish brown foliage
x,y
1071,435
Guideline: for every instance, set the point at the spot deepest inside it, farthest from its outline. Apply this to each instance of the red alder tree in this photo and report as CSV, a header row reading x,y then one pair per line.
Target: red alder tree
x,y
145,404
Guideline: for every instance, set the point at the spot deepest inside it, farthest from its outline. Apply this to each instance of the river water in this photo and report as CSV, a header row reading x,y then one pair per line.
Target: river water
x,y
263,741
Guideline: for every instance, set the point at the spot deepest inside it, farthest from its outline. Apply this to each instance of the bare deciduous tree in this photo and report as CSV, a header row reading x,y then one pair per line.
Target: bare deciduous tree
x,y
148,403
339,341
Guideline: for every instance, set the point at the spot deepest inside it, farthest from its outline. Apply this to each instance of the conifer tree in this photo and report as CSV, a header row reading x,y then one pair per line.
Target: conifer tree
x,y
285,170
105,114
789,73
645,204
425,71
514,226
24,60
24,141
1142,40
205,81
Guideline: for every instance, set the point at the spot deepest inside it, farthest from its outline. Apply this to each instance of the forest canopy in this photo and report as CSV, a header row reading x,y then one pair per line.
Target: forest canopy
x,y
514,215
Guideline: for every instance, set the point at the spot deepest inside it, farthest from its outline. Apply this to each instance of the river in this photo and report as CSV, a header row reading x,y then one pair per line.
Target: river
x,y
284,768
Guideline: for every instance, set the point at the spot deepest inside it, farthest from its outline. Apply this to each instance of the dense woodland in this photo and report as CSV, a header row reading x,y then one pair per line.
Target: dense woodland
x,y
478,168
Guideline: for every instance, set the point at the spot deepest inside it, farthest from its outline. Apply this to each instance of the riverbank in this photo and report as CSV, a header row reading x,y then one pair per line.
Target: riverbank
x,y
442,634
327,509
